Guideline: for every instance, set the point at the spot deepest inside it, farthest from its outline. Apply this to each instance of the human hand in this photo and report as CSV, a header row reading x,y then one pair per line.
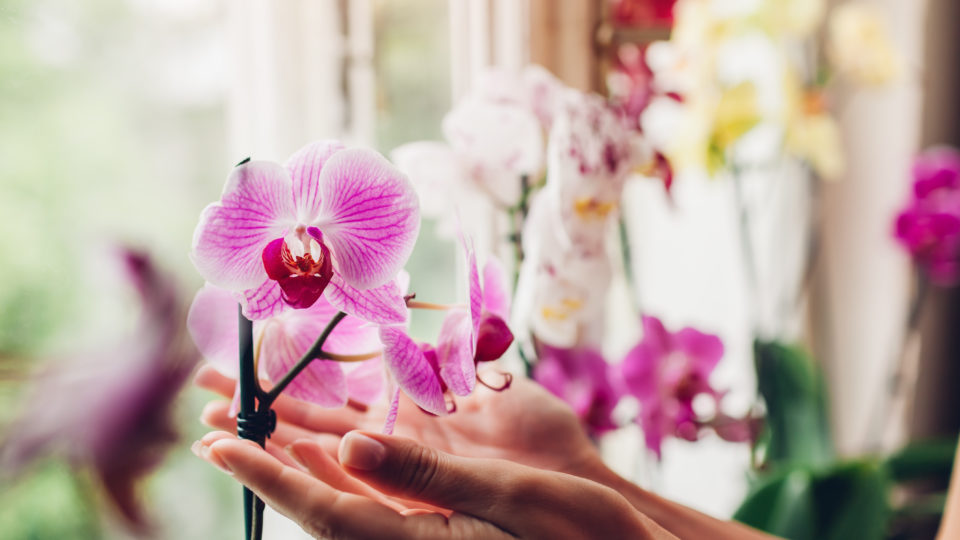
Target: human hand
x,y
489,498
525,424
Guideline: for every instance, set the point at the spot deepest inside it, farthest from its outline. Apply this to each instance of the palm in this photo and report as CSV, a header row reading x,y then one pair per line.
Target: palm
x,y
524,424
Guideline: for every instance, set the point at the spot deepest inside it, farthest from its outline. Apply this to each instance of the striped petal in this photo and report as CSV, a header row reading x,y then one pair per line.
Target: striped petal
x,y
284,342
411,370
255,208
264,301
455,352
304,167
382,305
369,216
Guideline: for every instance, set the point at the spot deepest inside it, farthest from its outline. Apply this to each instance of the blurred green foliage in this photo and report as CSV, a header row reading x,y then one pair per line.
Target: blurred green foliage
x,y
802,491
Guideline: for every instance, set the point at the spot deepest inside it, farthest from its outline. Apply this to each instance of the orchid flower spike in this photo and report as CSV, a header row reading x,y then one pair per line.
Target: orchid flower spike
x,y
478,333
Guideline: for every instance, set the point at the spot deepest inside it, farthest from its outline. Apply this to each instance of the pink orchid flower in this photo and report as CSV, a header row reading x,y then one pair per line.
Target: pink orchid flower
x,y
111,410
335,222
665,372
476,333
581,377
281,340
929,226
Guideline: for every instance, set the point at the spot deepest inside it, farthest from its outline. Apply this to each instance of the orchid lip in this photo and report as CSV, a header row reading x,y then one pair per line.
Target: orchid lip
x,y
300,263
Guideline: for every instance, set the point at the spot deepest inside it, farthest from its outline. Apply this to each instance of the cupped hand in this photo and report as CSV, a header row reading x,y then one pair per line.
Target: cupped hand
x,y
524,424
487,498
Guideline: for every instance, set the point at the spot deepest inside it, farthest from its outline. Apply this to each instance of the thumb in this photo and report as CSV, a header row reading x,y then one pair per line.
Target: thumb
x,y
404,468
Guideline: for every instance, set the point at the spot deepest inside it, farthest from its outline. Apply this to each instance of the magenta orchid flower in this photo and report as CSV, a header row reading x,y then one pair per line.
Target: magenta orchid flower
x,y
469,335
478,333
581,377
335,222
110,410
283,339
665,372
929,227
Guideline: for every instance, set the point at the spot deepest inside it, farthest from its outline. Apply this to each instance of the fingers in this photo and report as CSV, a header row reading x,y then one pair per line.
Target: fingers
x,y
209,378
319,419
321,465
323,511
293,411
215,414
522,500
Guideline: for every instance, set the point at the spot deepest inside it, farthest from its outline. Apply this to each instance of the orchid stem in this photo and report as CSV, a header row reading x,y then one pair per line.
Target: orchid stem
x,y
747,251
626,253
349,357
316,351
416,304
252,506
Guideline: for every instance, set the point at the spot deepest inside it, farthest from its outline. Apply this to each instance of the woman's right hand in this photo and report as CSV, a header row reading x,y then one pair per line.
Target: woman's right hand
x,y
486,498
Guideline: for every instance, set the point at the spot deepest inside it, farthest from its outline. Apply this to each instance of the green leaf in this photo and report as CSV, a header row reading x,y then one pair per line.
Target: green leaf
x,y
851,501
795,396
922,459
834,503
782,504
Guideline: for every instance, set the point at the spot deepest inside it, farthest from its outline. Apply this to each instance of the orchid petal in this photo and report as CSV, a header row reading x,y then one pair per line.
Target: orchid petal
x,y
704,350
411,370
435,172
369,216
212,322
498,143
352,335
284,341
475,291
382,305
391,420
455,352
305,166
493,338
365,381
496,299
264,301
255,208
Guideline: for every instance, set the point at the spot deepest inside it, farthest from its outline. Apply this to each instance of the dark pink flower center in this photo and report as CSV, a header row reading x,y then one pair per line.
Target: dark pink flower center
x,y
300,264
493,339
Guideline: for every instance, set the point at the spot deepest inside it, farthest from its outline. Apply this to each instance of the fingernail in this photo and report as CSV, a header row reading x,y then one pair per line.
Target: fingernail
x,y
205,453
361,452
296,457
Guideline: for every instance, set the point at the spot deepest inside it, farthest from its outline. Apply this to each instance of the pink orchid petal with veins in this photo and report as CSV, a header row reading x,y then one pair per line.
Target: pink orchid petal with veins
x,y
455,351
409,367
334,221
283,343
478,333
283,340
369,214
365,381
